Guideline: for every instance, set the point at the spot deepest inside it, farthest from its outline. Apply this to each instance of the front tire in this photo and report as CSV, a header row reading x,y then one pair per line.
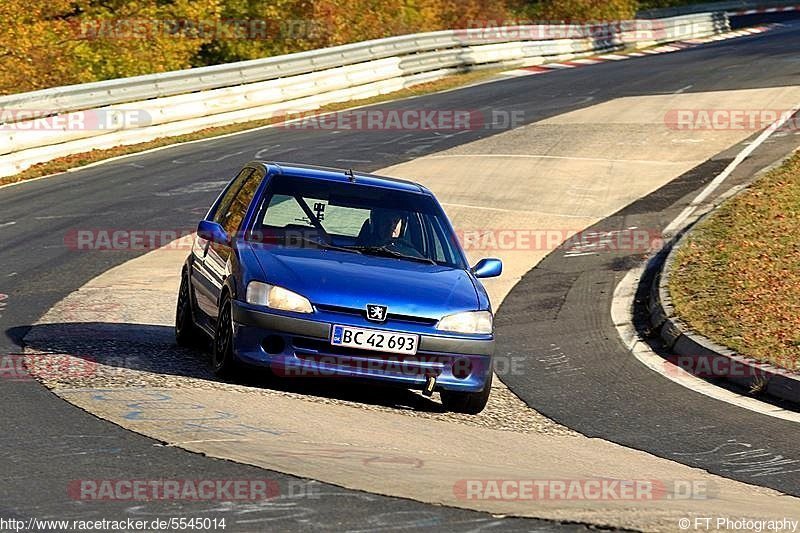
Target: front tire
x,y
187,333
470,403
222,360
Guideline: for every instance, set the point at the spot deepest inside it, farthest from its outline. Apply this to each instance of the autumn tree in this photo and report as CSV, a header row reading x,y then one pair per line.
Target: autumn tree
x,y
119,38
58,42
36,44
584,10
269,27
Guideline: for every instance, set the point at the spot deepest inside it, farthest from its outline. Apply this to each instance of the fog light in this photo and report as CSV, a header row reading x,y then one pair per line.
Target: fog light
x,y
462,368
273,344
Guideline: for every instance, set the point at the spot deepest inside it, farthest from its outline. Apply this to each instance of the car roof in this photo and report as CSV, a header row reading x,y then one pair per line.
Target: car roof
x,y
340,175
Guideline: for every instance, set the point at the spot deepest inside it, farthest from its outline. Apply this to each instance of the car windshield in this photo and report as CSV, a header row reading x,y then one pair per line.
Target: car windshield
x,y
356,218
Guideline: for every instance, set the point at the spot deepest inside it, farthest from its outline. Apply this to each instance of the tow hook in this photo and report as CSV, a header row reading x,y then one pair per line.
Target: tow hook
x,y
430,384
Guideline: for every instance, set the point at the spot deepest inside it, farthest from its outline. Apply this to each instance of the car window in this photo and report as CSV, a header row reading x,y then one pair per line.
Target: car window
x,y
284,210
233,205
344,220
242,200
439,252
366,219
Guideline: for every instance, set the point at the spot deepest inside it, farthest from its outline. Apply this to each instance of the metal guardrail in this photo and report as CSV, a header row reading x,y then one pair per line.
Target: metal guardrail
x,y
122,90
180,102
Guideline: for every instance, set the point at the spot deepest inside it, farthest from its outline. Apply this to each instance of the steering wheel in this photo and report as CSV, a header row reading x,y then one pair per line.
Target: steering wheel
x,y
406,247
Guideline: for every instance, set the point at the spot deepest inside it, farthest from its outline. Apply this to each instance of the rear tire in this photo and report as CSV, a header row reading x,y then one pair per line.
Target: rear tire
x,y
470,403
187,333
222,360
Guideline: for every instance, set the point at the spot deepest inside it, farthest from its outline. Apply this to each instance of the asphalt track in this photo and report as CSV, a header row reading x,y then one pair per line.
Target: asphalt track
x,y
46,442
587,380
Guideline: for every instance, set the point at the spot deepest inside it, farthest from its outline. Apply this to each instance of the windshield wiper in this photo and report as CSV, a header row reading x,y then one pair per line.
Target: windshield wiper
x,y
327,246
383,250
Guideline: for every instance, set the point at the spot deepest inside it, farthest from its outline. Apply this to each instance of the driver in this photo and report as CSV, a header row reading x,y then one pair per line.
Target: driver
x,y
386,229
385,225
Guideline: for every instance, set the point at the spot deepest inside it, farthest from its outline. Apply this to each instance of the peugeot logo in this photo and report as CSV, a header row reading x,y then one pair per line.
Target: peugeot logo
x,y
377,313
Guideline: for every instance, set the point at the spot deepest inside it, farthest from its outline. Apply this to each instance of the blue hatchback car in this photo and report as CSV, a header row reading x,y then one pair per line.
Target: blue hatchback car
x,y
311,271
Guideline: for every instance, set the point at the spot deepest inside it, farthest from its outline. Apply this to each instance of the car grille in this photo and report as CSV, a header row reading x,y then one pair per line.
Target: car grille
x,y
391,316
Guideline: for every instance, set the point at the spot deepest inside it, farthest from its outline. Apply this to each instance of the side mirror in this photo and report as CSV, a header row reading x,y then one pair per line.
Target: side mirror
x,y
488,268
211,231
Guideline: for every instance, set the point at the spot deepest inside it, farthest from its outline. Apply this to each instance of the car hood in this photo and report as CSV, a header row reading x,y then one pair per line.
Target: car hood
x,y
343,279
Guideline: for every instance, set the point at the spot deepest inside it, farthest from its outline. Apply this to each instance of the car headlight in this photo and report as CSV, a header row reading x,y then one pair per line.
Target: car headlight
x,y
275,297
469,322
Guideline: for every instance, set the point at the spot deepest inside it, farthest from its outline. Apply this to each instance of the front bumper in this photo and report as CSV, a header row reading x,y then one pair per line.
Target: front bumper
x,y
293,346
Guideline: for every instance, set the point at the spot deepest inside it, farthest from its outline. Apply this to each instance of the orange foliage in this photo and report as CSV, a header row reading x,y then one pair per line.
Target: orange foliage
x,y
60,42
33,44
587,10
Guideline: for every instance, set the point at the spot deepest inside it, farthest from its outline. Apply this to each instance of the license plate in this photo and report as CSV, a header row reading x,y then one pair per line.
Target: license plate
x,y
376,340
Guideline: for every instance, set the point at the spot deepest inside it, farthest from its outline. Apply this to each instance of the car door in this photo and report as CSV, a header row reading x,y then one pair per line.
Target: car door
x,y
218,260
210,259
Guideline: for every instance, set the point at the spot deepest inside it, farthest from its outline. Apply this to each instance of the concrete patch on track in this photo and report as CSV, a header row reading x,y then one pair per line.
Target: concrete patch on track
x,y
559,175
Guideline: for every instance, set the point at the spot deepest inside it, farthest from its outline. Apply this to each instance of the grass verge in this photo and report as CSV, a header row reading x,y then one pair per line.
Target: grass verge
x,y
62,164
736,280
